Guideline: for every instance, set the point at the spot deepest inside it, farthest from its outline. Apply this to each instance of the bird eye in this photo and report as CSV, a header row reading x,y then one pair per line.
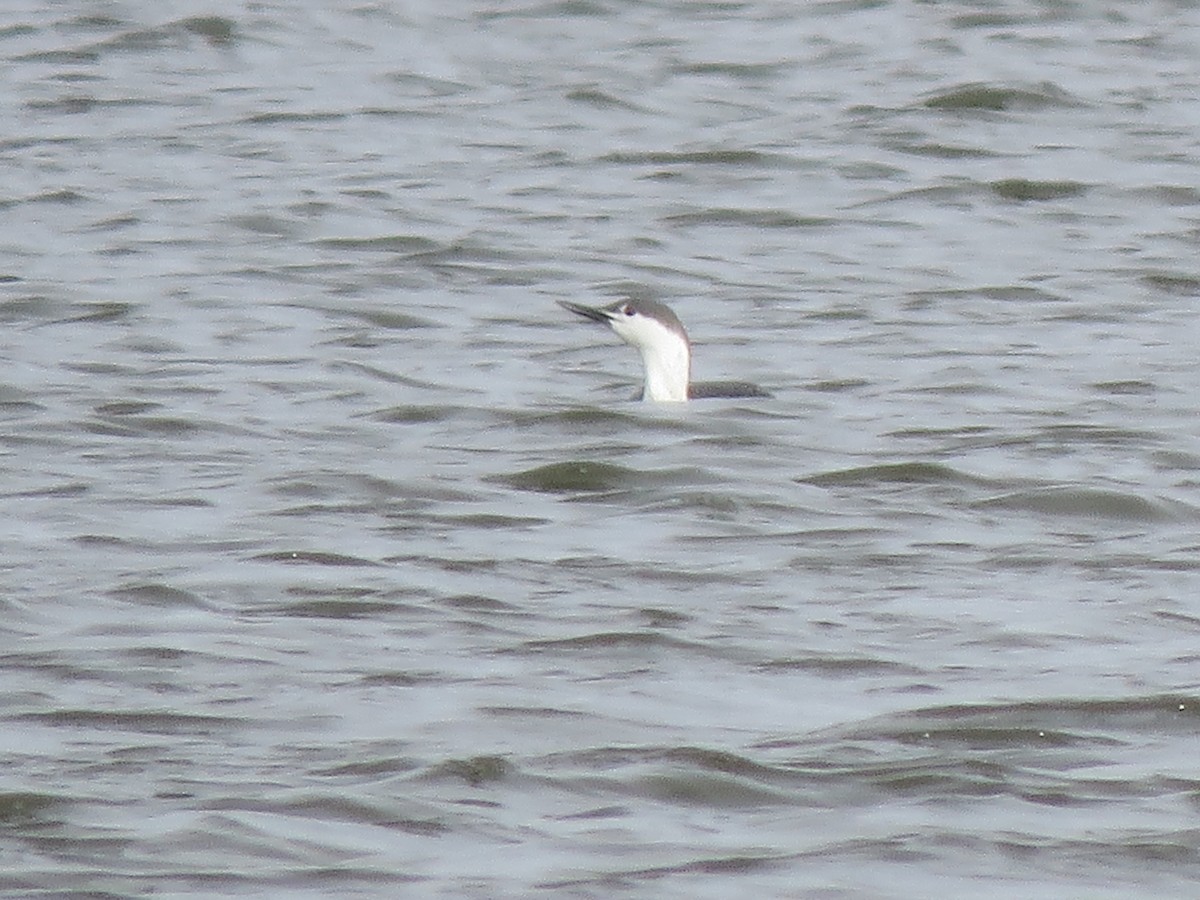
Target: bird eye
x,y
628,310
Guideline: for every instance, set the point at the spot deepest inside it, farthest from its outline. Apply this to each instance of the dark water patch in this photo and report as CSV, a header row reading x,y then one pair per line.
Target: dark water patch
x,y
746,218
597,813
727,157
115,223
264,223
341,487
595,419
62,196
80,104
143,426
217,30
958,192
179,502
980,96
554,9
101,540
64,489
961,297
390,319
390,765
55,666
836,666
710,502
849,312
463,251
415,415
16,409
638,642
383,375
600,99
314,558
155,594
895,473
25,808
350,592
405,244
731,443
533,713
107,311
402,679
990,19
1174,284
1038,724
684,775
1125,388
295,118
424,85
662,618
1089,503
1084,435
837,385
1176,459
477,603
476,771
1026,189
1171,194
20,30
706,790
944,151
59,57
707,759
1117,563
125,407
336,807
155,346
489,521
331,608
135,721
677,577
460,566
573,478
1177,620
157,656
870,171
737,71
958,388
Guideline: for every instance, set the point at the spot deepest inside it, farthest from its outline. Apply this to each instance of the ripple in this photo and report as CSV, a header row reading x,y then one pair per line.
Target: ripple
x,y
1025,189
135,721
1090,503
894,473
1176,284
998,97
585,476
754,218
314,558
725,157
27,807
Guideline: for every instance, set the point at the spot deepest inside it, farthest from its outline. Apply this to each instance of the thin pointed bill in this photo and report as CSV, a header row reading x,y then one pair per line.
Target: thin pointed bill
x,y
588,312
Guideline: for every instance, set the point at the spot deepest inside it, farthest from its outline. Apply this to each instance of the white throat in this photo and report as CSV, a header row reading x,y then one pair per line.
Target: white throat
x,y
667,361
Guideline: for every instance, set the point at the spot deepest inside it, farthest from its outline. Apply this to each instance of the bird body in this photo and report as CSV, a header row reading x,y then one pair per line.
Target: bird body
x,y
658,335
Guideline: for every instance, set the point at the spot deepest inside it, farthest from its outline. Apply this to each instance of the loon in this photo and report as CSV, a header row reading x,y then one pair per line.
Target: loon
x,y
656,332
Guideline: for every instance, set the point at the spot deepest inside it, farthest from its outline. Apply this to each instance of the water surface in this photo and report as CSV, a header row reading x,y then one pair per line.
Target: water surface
x,y
337,560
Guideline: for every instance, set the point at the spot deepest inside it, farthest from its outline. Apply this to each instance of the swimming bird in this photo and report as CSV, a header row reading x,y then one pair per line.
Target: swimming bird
x,y
656,332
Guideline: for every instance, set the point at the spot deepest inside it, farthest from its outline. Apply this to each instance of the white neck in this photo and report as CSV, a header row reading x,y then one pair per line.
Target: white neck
x,y
667,365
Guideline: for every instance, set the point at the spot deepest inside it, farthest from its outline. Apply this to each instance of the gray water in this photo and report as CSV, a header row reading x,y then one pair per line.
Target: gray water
x,y
338,562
